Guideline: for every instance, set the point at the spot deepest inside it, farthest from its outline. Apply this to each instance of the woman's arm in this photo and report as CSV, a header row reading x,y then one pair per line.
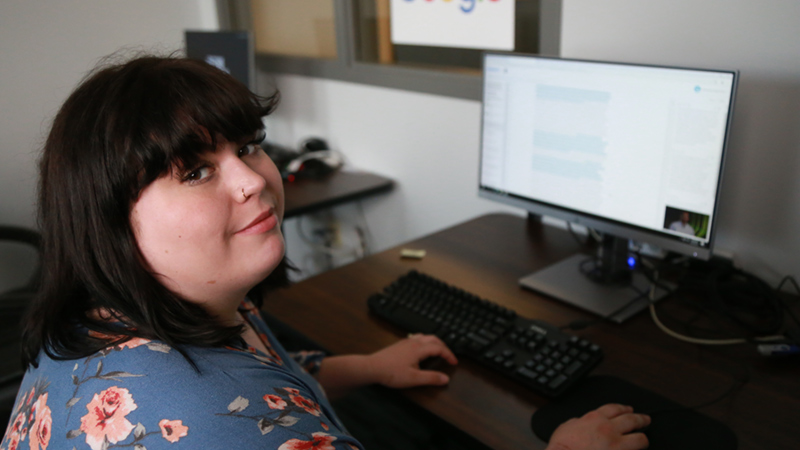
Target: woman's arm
x,y
609,427
395,366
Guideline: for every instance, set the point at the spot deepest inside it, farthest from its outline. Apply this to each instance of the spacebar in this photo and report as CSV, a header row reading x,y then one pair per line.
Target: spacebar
x,y
410,321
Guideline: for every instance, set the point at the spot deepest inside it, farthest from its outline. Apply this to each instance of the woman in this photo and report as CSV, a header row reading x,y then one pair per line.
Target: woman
x,y
161,219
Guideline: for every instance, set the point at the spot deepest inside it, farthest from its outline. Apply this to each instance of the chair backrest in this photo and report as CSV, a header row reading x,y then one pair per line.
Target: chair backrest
x,y
28,238
13,303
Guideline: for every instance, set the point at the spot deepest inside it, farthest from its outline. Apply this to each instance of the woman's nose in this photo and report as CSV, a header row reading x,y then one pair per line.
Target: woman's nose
x,y
246,182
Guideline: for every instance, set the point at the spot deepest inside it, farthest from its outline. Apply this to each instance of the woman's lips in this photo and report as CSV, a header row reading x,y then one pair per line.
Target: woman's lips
x,y
261,224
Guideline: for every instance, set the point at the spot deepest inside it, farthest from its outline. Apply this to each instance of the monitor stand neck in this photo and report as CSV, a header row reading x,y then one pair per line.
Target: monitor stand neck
x,y
611,265
604,285
534,222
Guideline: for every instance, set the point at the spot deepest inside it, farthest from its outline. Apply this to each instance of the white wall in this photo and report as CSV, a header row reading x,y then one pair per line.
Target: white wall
x,y
760,205
46,47
428,144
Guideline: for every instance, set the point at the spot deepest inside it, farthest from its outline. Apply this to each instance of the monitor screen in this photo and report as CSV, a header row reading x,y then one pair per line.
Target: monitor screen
x,y
632,150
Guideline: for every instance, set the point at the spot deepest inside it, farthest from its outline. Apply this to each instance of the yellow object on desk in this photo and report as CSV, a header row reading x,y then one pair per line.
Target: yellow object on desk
x,y
412,253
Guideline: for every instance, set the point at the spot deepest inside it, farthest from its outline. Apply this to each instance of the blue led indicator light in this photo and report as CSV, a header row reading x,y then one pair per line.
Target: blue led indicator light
x,y
697,88
631,262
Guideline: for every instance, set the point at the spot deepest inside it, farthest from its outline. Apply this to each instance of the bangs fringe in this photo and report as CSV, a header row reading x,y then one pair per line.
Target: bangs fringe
x,y
185,113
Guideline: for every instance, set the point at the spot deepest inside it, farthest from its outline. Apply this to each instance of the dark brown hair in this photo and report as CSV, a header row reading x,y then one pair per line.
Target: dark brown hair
x,y
123,127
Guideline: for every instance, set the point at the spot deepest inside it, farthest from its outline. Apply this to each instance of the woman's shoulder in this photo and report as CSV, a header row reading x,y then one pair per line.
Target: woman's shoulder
x,y
151,363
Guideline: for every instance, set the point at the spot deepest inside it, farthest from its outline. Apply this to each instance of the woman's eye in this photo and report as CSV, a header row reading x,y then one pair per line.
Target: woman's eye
x,y
197,175
248,149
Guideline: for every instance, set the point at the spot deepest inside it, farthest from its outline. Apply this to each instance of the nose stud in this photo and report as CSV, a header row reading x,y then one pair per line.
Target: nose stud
x,y
243,194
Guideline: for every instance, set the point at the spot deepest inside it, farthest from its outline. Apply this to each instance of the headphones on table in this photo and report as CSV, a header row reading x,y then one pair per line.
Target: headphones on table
x,y
314,159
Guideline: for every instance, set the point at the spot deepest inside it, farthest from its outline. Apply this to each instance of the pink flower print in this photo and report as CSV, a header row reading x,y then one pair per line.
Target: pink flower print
x,y
19,427
106,417
42,425
173,430
275,402
310,407
13,441
130,343
319,441
133,343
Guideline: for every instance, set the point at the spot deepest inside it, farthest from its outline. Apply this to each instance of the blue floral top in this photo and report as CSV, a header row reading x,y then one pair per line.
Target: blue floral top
x,y
145,395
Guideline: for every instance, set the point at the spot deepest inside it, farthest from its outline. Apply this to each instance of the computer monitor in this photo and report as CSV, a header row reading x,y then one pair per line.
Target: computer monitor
x,y
231,51
634,151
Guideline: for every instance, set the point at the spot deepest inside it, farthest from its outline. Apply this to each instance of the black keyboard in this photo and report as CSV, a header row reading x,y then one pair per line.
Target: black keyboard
x,y
532,352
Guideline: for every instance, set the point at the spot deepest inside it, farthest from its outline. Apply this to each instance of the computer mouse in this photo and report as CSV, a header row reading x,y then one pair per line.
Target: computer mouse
x,y
436,363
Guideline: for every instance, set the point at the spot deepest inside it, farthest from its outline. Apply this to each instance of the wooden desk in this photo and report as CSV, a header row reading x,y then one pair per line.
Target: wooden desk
x,y
487,256
307,195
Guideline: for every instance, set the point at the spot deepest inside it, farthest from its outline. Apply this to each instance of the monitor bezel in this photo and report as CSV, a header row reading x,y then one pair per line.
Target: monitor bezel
x,y
620,229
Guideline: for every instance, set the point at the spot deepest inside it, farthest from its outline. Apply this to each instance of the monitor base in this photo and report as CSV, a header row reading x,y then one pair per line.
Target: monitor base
x,y
617,303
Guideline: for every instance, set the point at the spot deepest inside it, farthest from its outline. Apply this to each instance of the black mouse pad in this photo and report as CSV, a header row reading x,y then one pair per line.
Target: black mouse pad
x,y
672,427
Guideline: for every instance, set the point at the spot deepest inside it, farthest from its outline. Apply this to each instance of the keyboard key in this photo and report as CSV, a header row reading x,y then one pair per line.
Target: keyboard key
x,y
478,340
488,335
557,382
525,373
574,367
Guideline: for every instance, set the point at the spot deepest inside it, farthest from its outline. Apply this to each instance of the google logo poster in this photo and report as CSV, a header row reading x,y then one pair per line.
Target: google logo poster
x,y
481,24
465,5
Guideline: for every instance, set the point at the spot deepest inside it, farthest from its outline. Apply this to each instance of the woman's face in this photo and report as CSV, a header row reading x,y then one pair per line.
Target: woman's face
x,y
212,232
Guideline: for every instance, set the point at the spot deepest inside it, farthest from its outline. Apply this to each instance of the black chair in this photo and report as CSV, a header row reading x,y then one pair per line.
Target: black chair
x,y
13,304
